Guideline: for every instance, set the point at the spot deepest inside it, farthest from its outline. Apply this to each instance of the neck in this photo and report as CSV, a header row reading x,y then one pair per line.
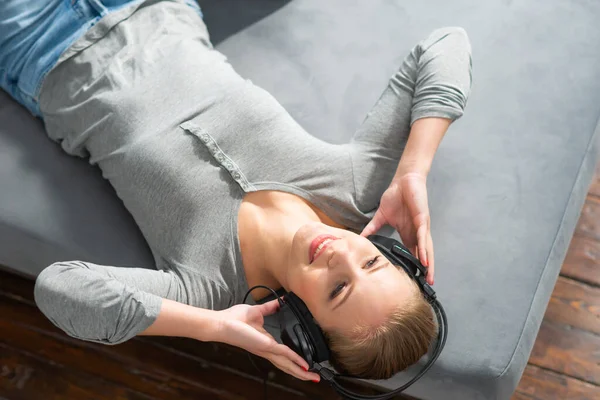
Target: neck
x,y
267,223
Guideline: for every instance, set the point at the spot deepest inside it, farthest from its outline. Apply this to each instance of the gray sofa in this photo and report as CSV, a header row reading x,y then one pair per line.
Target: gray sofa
x,y
506,187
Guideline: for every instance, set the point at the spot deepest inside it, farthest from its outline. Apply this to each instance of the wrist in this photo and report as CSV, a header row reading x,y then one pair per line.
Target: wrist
x,y
208,326
410,167
423,141
182,320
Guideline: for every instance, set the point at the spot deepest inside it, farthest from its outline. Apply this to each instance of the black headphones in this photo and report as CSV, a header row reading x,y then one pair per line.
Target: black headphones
x,y
301,333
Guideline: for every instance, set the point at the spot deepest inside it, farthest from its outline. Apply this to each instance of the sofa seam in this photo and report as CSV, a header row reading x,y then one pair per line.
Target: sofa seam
x,y
590,146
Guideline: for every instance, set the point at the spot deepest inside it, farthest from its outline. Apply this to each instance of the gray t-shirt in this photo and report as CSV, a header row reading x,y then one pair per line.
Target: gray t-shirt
x,y
181,137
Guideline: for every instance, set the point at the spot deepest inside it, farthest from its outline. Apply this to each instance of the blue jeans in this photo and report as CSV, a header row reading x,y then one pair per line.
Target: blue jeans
x,y
34,33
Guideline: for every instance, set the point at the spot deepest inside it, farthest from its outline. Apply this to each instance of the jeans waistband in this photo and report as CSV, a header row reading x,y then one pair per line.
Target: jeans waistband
x,y
34,33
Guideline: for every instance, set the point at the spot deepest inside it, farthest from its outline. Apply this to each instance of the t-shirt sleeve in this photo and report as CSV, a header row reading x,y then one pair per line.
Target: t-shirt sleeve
x,y
433,81
106,304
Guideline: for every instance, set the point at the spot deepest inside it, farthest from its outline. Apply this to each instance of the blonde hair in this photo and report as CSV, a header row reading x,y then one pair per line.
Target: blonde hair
x,y
382,351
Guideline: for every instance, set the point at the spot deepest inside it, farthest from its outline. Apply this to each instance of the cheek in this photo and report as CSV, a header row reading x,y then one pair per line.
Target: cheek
x,y
308,286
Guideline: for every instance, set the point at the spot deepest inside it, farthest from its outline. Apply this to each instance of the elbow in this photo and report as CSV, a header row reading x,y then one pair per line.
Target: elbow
x,y
49,289
445,85
460,34
454,43
459,41
454,36
58,295
463,49
88,304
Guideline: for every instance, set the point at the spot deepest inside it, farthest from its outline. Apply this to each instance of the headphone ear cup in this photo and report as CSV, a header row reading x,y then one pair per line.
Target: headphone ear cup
x,y
293,336
309,331
297,340
304,345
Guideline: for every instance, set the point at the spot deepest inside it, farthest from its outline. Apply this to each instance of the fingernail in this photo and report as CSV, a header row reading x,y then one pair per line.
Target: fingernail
x,y
315,380
304,368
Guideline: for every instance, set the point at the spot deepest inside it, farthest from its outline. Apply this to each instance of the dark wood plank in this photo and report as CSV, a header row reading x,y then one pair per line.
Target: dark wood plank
x,y
576,304
582,262
152,363
520,396
595,186
16,286
541,384
146,381
589,221
569,351
23,377
26,315
240,359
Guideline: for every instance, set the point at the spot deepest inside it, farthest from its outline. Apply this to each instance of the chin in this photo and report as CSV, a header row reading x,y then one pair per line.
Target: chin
x,y
308,231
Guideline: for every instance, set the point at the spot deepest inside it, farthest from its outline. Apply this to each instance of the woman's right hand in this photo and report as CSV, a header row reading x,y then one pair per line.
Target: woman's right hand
x,y
242,326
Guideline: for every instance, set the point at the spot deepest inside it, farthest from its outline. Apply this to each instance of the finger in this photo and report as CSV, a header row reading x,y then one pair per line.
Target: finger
x,y
297,371
262,330
270,307
422,243
278,362
369,229
284,351
431,268
375,224
290,367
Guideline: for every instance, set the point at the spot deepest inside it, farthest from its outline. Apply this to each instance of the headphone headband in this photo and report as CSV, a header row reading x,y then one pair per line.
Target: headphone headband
x,y
398,254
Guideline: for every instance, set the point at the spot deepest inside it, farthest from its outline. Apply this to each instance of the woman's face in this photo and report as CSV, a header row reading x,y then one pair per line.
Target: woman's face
x,y
349,282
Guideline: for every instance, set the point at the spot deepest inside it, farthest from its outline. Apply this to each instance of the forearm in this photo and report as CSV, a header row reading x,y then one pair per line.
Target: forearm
x,y
423,141
181,320
439,69
402,132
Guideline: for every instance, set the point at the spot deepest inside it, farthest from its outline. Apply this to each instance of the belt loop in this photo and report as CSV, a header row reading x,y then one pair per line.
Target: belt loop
x,y
98,6
86,9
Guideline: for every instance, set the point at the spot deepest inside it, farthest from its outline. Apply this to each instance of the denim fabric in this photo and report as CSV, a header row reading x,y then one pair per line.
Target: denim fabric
x,y
34,33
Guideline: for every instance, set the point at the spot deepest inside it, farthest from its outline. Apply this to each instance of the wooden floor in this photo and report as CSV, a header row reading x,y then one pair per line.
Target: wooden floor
x,y
565,361
37,361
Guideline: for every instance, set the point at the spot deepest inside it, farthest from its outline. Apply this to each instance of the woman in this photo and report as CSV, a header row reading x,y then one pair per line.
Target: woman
x,y
227,189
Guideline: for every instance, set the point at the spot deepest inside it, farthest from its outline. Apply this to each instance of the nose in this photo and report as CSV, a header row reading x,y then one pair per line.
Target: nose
x,y
340,254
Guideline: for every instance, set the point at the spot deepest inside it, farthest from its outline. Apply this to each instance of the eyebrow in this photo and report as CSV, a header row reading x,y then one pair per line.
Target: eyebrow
x,y
349,291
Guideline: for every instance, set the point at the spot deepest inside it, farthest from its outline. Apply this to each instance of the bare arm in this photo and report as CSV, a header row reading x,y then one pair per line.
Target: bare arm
x,y
403,130
181,320
240,326
394,149
425,137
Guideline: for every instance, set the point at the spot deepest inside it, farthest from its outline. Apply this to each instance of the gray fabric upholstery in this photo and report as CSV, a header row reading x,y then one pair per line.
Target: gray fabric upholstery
x,y
45,195
506,187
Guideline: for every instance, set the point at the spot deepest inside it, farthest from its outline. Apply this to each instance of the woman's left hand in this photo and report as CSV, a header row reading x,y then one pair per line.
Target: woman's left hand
x,y
242,326
404,206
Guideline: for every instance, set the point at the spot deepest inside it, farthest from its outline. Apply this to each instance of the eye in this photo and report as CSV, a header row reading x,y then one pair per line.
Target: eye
x,y
372,262
339,287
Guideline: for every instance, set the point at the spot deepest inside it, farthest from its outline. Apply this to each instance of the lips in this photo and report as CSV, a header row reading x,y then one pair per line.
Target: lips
x,y
315,244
